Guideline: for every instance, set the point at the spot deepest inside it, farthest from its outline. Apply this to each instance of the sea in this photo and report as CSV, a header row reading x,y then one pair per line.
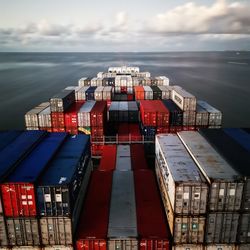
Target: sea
x,y
220,78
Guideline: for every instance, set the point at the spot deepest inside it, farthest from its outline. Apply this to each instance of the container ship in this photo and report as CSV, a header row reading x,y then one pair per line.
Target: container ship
x,y
125,161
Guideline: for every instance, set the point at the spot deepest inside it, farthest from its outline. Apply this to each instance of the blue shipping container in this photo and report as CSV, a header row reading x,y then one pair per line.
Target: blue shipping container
x,y
67,174
7,137
90,93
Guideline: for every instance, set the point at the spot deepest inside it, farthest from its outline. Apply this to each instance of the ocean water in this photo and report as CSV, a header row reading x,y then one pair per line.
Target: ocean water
x,y
220,78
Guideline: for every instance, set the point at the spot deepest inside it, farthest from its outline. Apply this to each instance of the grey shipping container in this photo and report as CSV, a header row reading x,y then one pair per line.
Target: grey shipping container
x,y
123,111
83,114
26,248
165,92
226,185
133,112
243,247
244,228
148,93
188,247
81,93
189,118
122,228
221,227
201,116
185,100
113,113
184,183
3,233
23,231
31,117
56,231
123,158
221,247
62,101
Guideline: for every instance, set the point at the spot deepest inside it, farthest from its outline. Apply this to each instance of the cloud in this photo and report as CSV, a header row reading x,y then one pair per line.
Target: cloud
x,y
191,18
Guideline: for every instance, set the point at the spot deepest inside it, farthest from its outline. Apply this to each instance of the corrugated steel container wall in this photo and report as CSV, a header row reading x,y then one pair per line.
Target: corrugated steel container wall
x,y
165,92
122,229
215,116
226,184
70,116
235,155
107,93
201,117
123,158
186,187
62,101
26,248
221,247
123,111
90,93
189,118
31,117
17,150
81,93
138,159
113,112
133,112
44,118
66,177
221,227
98,114
3,233
93,225
83,114
153,229
184,99
108,81
188,247
156,93
58,247
176,114
18,190
84,81
148,93
139,93
146,80
98,93
148,113
23,231
108,160
56,230
93,82
189,229
243,235
243,247
57,120
117,89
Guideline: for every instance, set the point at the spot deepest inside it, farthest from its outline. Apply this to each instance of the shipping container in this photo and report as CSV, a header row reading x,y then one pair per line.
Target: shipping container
x,y
134,132
146,80
235,155
189,118
113,112
18,189
123,158
122,228
183,99
133,112
148,112
123,132
84,81
7,137
44,118
3,233
148,93
148,130
188,247
151,221
108,160
81,93
107,93
58,247
226,185
138,158
175,113
98,114
96,149
156,93
108,81
165,92
244,228
183,182
215,116
123,112
221,227
17,150
65,178
26,248
56,231
201,117
93,223
23,231
57,120
98,93
220,247
83,114
139,93
90,93
62,100
31,117
242,247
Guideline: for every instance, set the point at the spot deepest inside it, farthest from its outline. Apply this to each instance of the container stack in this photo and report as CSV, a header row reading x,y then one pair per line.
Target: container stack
x,y
226,190
184,192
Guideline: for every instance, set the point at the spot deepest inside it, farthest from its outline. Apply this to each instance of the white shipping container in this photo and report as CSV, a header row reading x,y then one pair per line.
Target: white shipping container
x,y
84,114
143,74
186,186
220,247
117,89
184,100
93,82
165,91
107,93
148,93
84,81
98,93
123,69
226,185
146,81
100,74
189,118
25,248
58,247
81,93
201,116
188,247
44,118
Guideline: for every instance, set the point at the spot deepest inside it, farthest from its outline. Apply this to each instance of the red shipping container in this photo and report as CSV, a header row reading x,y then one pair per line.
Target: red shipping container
x,y
139,92
70,116
123,89
72,131
123,132
162,130
162,113
148,113
94,219
98,114
19,199
134,131
172,129
108,103
97,134
56,129
188,128
130,97
96,149
138,159
57,120
48,129
108,159
153,230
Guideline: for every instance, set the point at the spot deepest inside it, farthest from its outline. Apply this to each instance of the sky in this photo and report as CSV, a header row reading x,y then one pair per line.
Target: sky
x,y
124,26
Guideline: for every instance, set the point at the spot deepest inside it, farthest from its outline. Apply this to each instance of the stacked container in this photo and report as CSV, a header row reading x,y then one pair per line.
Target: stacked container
x,y
19,196
84,81
80,94
201,117
226,189
184,191
61,190
44,118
